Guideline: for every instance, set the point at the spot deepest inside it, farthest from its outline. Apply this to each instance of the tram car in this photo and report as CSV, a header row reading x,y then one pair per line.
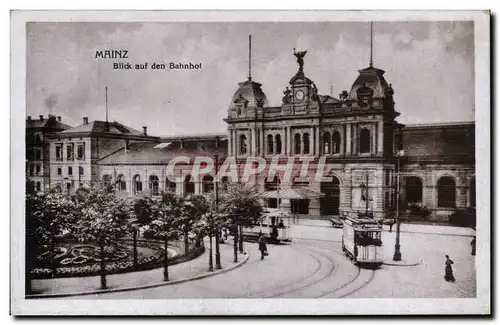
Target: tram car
x,y
362,241
275,223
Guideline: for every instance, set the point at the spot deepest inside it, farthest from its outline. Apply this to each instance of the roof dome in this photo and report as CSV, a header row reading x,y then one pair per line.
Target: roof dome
x,y
373,79
249,94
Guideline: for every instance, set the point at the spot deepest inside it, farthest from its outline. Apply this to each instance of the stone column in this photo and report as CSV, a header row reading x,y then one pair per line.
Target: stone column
x,y
374,138
235,147
301,143
380,138
318,142
230,147
348,138
354,135
288,140
250,142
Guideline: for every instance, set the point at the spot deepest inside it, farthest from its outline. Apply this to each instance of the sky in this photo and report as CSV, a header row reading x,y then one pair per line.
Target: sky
x,y
429,64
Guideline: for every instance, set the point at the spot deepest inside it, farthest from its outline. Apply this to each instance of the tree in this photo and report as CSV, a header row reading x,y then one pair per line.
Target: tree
x,y
102,217
195,206
243,205
243,202
166,212
210,223
141,207
49,215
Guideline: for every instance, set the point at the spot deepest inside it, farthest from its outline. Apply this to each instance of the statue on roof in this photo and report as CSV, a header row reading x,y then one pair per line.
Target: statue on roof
x,y
300,58
288,97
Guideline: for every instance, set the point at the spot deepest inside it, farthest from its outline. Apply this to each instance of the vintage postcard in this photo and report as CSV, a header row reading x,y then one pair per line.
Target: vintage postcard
x,y
250,163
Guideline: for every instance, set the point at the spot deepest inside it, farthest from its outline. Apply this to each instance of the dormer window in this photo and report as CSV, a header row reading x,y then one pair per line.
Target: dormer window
x,y
365,96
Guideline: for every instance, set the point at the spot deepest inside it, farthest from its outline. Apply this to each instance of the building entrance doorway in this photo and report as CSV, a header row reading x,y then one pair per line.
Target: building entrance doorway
x,y
330,203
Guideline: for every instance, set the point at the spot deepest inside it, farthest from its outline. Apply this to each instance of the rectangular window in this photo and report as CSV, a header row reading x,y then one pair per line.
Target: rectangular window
x,y
59,171
80,170
70,170
59,152
81,151
38,186
37,169
38,154
32,170
69,151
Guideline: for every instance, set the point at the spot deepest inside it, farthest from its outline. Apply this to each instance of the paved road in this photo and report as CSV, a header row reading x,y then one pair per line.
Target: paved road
x,y
313,267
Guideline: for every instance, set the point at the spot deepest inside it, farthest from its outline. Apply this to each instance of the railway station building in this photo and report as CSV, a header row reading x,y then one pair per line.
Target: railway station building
x,y
357,135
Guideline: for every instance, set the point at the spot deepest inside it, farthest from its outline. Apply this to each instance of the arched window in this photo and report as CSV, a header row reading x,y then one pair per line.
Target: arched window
x,y
446,189
243,144
364,141
106,179
224,183
170,186
270,145
296,141
154,184
326,143
278,144
305,139
121,184
472,193
136,184
188,185
208,183
413,190
336,142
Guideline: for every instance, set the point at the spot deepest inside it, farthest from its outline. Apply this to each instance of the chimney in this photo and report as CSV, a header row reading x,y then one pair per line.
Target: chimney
x,y
41,117
29,118
85,120
145,130
58,119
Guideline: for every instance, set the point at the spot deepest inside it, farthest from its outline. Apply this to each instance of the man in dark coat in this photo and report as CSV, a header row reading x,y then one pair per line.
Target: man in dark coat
x,y
262,247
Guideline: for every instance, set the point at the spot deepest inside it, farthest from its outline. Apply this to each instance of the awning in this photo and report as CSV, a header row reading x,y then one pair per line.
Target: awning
x,y
162,145
292,194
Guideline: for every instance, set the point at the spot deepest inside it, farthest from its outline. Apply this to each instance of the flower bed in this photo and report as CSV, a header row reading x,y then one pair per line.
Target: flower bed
x,y
144,262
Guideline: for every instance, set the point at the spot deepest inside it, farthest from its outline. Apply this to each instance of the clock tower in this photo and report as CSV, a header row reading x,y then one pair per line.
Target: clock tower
x,y
301,97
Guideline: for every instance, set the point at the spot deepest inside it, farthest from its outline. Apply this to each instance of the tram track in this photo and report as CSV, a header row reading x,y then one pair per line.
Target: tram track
x,y
330,272
352,285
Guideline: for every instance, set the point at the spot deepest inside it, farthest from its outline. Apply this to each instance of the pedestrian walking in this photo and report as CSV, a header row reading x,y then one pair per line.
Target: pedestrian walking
x,y
390,226
473,246
448,270
262,247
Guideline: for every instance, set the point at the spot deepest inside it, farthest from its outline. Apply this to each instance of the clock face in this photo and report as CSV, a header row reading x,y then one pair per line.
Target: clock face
x,y
299,95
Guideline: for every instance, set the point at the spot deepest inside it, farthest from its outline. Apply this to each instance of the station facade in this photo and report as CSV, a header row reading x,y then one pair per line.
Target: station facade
x,y
356,135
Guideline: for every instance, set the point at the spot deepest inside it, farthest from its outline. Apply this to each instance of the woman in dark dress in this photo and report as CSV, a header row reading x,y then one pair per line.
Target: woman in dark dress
x,y
448,271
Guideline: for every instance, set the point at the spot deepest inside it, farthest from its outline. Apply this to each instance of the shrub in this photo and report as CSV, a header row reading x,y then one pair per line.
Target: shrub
x,y
418,212
463,218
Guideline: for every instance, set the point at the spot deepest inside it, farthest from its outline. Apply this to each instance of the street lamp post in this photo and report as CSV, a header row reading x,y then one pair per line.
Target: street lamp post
x,y
210,261
235,233
217,230
397,246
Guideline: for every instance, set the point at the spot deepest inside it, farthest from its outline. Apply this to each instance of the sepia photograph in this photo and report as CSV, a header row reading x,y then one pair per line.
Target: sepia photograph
x,y
250,163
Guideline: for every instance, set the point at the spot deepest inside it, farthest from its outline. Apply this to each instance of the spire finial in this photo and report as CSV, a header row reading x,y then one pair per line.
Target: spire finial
x,y
371,43
250,57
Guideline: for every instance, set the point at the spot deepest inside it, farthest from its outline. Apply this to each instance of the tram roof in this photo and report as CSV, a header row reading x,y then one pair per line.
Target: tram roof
x,y
361,222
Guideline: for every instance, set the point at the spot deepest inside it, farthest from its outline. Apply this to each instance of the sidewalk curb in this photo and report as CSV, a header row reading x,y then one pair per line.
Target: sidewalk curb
x,y
149,286
400,264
